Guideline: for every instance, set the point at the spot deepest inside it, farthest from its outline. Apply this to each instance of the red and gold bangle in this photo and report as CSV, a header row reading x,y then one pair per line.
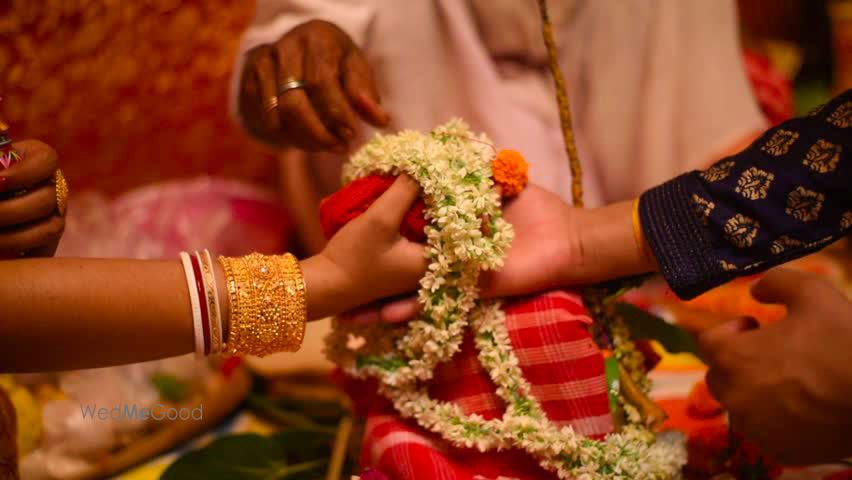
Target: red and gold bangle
x,y
202,301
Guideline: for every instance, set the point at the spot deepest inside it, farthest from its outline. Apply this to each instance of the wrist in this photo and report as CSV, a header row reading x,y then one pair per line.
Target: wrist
x,y
608,244
329,289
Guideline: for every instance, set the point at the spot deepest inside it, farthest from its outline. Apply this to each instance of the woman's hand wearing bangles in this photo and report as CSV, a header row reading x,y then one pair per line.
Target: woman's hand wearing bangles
x,y
30,222
367,259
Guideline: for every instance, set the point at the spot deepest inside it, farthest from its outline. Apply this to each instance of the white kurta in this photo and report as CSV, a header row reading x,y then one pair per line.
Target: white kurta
x,y
657,86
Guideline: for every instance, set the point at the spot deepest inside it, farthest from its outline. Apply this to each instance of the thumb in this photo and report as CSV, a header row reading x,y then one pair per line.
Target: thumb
x,y
779,286
390,209
361,89
713,339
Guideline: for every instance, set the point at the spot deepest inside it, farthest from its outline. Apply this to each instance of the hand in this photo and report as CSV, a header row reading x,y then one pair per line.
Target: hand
x,y
557,245
368,259
322,116
788,386
30,224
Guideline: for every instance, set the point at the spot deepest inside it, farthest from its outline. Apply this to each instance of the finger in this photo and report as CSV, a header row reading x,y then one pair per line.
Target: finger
x,y
390,209
295,110
38,163
32,206
360,316
712,341
323,76
32,236
400,310
45,251
265,63
361,89
717,381
251,106
780,286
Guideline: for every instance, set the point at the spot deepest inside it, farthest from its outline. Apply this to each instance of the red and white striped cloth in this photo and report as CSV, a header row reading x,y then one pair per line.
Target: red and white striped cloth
x,y
557,355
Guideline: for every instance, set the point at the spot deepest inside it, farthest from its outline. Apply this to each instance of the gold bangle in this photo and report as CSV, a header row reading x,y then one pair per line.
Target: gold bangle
x,y
61,192
268,305
639,235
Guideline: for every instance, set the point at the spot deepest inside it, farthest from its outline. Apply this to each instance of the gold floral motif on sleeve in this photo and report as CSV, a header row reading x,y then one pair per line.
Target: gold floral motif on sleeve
x,y
741,230
846,220
702,208
842,116
726,266
804,204
780,142
823,156
782,243
719,171
754,183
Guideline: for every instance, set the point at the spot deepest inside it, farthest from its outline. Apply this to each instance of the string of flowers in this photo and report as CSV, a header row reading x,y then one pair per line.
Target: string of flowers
x,y
455,175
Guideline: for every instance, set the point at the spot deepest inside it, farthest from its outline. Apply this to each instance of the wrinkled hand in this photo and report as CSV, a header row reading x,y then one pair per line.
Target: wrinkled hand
x,y
368,259
788,386
30,224
325,114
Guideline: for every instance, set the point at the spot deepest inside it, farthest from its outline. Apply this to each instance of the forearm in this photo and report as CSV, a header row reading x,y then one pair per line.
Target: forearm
x,y
74,313
86,313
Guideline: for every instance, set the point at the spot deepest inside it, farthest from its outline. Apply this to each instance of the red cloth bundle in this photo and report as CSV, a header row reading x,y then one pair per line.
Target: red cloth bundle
x,y
557,355
354,199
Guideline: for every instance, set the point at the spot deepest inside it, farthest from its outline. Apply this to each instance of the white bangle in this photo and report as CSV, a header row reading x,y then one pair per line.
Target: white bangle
x,y
194,301
213,307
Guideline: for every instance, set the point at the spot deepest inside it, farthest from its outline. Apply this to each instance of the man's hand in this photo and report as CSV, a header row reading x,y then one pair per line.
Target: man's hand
x,y
324,115
557,245
788,386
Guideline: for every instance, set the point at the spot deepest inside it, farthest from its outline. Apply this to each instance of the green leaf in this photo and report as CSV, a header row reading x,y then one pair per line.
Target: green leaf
x,y
644,325
616,288
169,387
292,418
290,455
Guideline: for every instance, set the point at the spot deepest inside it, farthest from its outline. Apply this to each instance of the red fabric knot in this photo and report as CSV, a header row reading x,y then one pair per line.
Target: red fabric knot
x,y
355,198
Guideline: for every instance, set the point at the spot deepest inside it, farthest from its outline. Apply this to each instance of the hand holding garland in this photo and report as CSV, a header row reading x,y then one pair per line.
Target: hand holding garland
x,y
85,313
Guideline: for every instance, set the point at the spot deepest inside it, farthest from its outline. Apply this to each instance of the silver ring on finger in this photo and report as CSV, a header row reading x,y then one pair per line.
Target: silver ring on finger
x,y
290,84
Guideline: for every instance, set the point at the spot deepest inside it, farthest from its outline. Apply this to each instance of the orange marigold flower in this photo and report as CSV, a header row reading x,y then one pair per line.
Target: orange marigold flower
x,y
510,172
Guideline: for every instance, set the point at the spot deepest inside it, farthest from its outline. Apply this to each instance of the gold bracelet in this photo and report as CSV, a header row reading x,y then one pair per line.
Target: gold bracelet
x,y
268,306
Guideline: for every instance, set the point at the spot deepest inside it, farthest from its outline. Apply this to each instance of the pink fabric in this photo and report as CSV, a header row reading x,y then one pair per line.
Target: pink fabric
x,y
159,221
549,334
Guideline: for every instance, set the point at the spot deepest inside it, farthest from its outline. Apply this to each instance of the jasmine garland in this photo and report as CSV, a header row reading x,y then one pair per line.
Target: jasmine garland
x,y
453,166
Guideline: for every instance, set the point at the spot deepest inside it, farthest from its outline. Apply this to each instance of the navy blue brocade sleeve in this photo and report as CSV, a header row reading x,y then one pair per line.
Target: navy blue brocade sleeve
x,y
788,194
